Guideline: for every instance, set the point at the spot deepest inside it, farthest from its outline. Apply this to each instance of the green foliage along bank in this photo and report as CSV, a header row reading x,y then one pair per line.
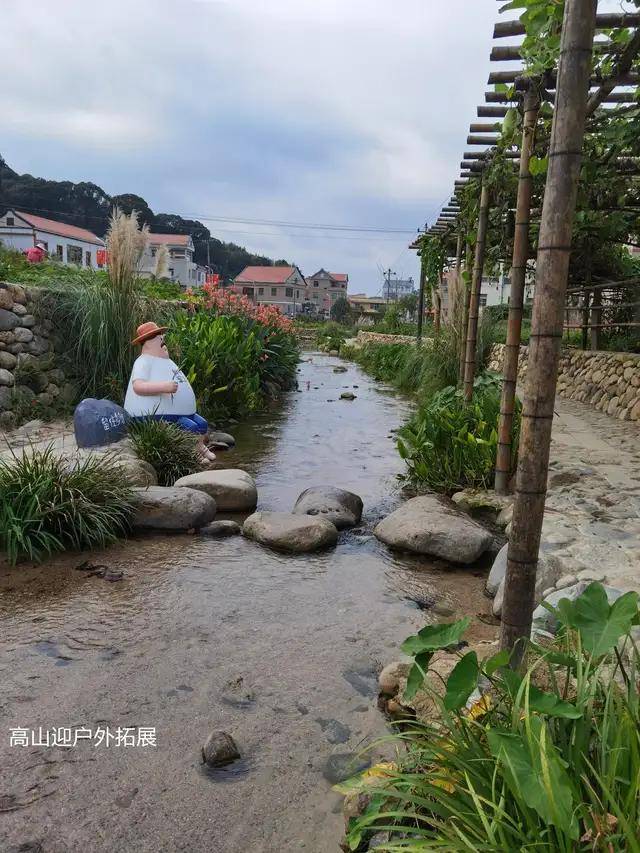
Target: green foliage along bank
x,y
545,760
446,445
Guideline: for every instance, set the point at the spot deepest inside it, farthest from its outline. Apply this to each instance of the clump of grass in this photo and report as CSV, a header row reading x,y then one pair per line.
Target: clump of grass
x,y
547,760
48,504
172,451
99,315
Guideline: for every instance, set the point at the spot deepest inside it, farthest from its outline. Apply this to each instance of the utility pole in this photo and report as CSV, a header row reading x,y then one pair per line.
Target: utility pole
x,y
388,273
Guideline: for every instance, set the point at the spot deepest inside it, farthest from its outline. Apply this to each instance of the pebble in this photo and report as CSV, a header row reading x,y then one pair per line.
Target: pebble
x,y
219,749
221,529
565,581
343,765
347,395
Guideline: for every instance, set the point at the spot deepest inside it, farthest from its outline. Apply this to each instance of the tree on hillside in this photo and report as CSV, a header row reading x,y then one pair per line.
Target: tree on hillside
x,y
341,310
128,202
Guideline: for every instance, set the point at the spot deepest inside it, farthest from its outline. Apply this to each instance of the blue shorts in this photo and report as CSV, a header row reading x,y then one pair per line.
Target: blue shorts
x,y
189,423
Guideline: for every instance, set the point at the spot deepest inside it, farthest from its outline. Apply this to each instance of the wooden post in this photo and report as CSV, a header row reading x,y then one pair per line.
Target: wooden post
x,y
474,297
516,295
554,247
586,296
596,319
465,314
420,300
437,306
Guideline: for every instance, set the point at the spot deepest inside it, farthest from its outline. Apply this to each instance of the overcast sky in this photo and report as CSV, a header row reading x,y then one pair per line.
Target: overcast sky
x,y
345,112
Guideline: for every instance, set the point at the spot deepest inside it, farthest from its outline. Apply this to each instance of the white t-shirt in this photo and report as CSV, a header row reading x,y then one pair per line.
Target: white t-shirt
x,y
155,369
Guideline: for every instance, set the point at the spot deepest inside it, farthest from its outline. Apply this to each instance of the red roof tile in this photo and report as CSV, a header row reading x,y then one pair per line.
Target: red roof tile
x,y
339,276
169,239
268,275
61,229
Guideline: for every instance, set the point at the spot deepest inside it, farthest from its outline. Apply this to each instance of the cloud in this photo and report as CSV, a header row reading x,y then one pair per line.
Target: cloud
x,y
340,111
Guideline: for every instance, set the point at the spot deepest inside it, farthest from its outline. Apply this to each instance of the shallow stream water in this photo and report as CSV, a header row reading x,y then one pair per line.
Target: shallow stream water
x,y
280,651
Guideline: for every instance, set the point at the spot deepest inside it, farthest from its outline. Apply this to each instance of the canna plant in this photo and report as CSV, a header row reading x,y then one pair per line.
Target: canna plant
x,y
545,760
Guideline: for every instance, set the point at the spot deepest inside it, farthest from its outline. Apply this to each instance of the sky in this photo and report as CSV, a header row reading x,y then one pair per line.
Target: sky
x,y
324,112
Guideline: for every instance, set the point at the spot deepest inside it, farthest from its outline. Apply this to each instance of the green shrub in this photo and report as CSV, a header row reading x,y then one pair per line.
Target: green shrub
x,y
162,289
172,451
450,445
232,361
332,335
545,761
49,505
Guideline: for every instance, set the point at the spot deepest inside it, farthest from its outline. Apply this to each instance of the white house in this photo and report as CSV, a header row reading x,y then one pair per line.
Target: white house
x,y
283,287
65,243
181,266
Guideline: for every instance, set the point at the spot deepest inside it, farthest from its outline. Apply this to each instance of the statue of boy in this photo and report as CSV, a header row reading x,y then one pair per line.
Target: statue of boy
x,y
158,389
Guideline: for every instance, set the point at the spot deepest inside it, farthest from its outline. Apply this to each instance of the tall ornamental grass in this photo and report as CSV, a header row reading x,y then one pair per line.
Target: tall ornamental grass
x,y
98,316
547,760
48,504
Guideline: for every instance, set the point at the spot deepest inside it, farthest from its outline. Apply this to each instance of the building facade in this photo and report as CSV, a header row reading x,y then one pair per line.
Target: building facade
x,y
283,287
368,309
65,243
181,267
323,289
395,288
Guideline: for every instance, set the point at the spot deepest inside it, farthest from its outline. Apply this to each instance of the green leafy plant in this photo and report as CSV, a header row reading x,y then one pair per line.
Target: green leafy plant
x,y
547,759
450,444
172,451
332,335
48,504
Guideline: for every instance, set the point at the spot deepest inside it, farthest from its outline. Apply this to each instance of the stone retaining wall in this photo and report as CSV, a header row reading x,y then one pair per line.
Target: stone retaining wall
x,y
379,338
30,377
608,381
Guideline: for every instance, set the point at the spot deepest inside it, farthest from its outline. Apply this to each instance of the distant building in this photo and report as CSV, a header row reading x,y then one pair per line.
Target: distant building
x,y
368,309
323,289
181,267
493,290
395,288
283,287
65,243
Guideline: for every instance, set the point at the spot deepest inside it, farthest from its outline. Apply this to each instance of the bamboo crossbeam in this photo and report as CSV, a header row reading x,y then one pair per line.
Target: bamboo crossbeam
x,y
489,111
622,67
479,155
483,140
604,306
504,29
510,52
515,74
485,127
600,325
612,285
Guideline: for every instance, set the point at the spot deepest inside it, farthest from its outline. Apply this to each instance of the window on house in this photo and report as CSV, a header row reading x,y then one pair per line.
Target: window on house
x,y
59,252
297,294
289,292
315,284
316,296
74,255
274,291
483,299
247,291
171,272
261,291
177,253
10,220
87,259
153,251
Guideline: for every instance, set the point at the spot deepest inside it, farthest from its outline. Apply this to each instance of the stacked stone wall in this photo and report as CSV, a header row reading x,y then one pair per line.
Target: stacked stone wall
x,y
608,381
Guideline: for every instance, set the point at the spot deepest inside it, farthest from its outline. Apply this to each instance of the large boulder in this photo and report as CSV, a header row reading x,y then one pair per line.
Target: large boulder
x,y
287,532
99,422
169,508
427,525
342,508
233,490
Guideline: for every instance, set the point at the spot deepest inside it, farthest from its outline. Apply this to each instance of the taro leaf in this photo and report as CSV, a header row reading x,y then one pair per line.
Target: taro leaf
x,y
539,702
434,637
599,624
495,662
535,773
417,674
462,681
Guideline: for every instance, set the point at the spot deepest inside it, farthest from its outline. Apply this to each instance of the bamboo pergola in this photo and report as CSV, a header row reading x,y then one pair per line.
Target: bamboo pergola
x,y
578,96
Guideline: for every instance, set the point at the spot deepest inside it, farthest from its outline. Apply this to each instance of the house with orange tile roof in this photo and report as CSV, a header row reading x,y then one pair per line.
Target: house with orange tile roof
x,y
68,244
282,286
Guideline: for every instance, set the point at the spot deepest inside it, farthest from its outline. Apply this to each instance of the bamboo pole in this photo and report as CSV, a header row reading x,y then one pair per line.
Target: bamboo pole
x,y
474,298
516,296
420,300
565,155
465,314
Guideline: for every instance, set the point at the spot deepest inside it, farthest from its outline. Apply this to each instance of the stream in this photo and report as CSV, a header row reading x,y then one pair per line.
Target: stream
x,y
280,651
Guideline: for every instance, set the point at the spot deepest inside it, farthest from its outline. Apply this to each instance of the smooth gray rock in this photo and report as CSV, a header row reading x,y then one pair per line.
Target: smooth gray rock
x,y
99,422
342,508
8,320
284,531
217,439
7,360
233,489
170,508
427,525
347,395
221,529
23,335
219,749
6,378
549,570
